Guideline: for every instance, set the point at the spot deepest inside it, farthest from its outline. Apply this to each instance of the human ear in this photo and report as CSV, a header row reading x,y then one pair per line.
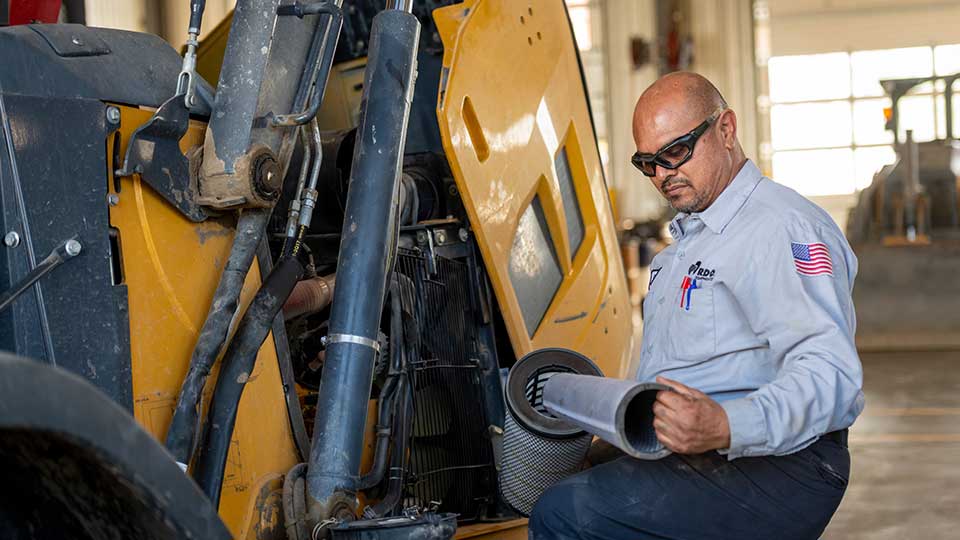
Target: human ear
x,y
727,128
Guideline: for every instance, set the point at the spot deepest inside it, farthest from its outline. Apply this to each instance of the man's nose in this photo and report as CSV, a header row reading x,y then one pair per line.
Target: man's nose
x,y
661,175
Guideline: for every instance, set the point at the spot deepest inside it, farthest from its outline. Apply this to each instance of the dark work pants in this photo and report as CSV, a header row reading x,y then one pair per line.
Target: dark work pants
x,y
698,497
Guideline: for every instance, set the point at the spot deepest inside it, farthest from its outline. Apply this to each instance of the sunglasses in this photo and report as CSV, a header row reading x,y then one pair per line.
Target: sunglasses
x,y
676,152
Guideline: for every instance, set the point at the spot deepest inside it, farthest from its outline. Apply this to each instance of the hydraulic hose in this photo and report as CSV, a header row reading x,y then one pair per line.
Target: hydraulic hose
x,y
388,397
294,507
398,456
182,434
235,370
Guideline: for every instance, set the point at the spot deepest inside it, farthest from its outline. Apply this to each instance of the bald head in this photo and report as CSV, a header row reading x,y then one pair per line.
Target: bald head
x,y
678,96
672,107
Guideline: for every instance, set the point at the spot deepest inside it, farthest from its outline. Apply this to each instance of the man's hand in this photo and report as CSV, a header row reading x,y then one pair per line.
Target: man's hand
x,y
687,421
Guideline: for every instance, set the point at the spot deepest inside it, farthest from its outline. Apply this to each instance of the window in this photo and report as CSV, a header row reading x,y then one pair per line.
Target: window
x,y
827,127
586,17
581,19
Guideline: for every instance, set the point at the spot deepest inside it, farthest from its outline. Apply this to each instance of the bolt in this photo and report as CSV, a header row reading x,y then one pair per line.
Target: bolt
x,y
463,234
113,115
73,248
77,41
12,239
266,176
113,199
324,340
441,237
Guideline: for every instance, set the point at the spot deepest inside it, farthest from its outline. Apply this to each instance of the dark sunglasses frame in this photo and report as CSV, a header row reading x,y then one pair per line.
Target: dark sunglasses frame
x,y
688,140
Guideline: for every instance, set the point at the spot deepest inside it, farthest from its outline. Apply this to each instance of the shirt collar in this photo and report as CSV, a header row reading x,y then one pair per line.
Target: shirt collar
x,y
718,215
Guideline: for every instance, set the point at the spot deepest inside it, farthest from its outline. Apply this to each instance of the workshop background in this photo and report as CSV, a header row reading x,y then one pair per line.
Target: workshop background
x,y
804,78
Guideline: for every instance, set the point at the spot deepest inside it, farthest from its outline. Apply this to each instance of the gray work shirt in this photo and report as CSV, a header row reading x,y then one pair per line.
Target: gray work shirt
x,y
751,304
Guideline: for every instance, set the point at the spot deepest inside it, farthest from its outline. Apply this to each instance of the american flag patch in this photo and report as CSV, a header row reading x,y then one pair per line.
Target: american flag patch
x,y
812,259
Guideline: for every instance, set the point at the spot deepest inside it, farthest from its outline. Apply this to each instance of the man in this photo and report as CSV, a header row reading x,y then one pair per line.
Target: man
x,y
749,319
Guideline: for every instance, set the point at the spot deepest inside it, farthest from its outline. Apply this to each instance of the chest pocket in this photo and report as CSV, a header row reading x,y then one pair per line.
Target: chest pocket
x,y
693,324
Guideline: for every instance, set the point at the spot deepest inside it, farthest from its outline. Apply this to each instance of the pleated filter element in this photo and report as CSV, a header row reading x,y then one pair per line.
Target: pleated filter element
x,y
539,449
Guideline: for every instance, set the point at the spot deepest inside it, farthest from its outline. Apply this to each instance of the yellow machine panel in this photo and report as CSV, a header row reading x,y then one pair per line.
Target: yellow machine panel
x,y
171,267
519,138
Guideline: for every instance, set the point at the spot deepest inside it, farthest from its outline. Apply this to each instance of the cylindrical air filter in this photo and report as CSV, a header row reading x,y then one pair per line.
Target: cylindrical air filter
x,y
618,411
539,449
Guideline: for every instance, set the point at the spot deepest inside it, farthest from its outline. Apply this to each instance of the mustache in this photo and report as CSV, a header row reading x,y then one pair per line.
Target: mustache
x,y
674,181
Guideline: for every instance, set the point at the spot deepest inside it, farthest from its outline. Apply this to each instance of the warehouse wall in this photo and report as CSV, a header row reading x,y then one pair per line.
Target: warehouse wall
x,y
722,34
626,20
723,51
816,26
167,18
821,26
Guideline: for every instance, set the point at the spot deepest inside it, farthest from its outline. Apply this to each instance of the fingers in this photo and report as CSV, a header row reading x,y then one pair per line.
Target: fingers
x,y
667,436
665,413
680,388
672,400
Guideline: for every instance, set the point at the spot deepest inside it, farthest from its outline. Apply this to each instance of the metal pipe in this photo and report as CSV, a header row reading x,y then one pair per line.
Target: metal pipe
x,y
293,213
235,369
948,105
618,411
309,195
400,5
317,83
911,187
363,266
182,433
310,296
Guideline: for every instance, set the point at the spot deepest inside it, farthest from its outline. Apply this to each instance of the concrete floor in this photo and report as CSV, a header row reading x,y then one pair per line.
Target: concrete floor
x,y
905,451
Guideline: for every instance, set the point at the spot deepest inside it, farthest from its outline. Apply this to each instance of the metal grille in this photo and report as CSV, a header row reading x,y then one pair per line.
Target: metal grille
x,y
451,460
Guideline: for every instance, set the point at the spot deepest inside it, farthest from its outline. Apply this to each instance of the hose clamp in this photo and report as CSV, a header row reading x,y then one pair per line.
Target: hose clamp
x,y
356,340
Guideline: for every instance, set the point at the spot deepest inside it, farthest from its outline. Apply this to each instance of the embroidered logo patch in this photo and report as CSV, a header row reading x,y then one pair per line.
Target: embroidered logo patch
x,y
812,259
701,272
686,291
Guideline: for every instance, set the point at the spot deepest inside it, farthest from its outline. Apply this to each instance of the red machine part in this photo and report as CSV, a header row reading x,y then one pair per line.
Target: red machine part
x,y
34,11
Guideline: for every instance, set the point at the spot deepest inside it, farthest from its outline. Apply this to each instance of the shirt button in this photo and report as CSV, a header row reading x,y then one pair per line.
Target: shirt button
x,y
660,301
679,254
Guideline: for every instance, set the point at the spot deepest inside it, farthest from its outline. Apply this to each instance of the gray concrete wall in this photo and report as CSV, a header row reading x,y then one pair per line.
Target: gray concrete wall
x,y
908,297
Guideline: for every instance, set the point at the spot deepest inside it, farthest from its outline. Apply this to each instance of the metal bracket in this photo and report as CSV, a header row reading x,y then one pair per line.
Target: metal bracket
x,y
154,153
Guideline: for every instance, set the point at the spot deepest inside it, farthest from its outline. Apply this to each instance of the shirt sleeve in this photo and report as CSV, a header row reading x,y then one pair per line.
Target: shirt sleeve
x,y
809,323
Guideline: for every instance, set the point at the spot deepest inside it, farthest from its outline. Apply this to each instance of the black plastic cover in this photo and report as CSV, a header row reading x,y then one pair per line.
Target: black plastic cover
x,y
53,187
109,65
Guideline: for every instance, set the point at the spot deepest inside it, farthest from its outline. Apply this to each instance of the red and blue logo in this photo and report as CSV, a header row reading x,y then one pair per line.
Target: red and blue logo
x,y
686,292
